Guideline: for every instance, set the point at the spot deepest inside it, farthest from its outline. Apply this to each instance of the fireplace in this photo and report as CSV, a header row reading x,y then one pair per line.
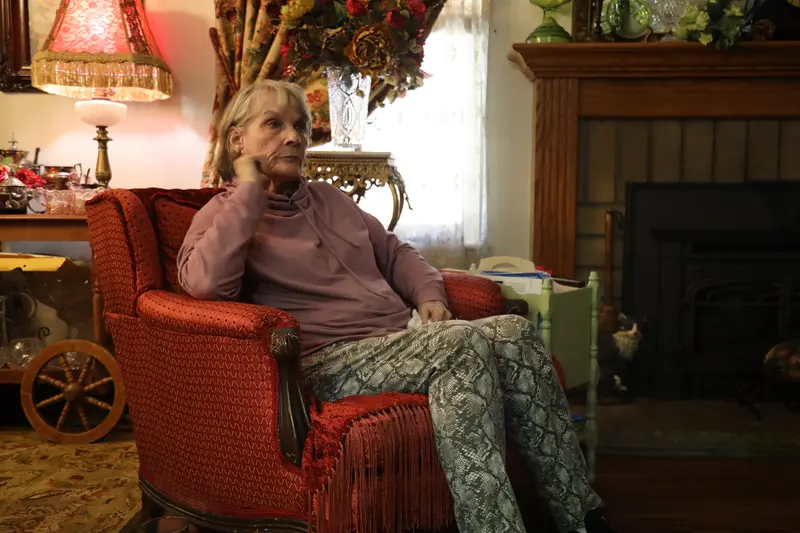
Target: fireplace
x,y
715,268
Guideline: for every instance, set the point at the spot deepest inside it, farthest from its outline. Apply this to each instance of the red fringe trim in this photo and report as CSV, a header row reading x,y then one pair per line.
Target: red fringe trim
x,y
386,477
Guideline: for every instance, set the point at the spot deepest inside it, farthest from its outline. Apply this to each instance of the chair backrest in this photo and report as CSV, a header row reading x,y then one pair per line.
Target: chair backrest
x,y
135,235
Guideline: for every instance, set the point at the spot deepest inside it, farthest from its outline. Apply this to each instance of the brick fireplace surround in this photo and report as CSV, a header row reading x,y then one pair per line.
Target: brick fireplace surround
x,y
699,110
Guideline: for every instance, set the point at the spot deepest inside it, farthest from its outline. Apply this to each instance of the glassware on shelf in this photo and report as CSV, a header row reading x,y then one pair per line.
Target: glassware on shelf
x,y
627,19
20,352
75,360
549,31
56,201
666,14
80,197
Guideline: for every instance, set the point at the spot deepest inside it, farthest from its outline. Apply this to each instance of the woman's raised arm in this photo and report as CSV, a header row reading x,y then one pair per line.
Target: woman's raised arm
x,y
212,260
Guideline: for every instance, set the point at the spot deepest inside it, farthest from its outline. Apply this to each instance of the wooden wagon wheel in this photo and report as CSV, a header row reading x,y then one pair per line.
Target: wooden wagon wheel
x,y
76,389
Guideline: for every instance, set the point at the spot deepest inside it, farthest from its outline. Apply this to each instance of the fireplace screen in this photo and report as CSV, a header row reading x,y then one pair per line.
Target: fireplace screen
x,y
733,313
716,270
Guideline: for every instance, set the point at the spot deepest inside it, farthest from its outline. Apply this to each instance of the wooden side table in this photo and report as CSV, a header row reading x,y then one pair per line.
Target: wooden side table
x,y
354,173
78,387
43,228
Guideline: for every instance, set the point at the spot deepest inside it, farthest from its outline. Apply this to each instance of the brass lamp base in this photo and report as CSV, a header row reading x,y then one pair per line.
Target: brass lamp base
x,y
102,171
101,113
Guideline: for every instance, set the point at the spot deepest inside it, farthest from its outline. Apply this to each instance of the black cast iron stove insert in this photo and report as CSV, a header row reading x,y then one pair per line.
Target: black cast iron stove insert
x,y
715,268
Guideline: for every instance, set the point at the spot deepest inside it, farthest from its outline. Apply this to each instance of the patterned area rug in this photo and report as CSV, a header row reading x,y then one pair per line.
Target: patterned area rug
x,y
64,488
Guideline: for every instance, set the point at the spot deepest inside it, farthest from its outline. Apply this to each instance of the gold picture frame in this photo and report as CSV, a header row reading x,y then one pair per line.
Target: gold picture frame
x,y
24,25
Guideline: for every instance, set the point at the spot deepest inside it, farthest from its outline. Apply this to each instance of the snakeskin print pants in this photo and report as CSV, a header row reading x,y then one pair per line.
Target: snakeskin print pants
x,y
479,377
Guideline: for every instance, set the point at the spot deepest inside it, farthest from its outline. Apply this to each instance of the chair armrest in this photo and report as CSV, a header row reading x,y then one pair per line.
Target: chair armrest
x,y
278,331
184,314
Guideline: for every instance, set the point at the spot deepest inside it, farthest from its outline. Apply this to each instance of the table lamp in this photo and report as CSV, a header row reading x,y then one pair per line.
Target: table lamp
x,y
103,51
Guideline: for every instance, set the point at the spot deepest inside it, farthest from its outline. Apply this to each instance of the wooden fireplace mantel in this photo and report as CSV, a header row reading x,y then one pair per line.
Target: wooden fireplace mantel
x,y
636,80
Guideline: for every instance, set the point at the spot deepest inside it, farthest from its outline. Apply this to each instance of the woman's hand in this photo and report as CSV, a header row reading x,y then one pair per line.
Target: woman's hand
x,y
251,169
433,311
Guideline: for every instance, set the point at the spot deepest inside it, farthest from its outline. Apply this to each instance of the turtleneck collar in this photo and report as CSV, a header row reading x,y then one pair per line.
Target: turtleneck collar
x,y
288,205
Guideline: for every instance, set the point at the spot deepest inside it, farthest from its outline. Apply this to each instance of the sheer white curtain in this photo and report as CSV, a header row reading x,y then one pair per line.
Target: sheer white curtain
x,y
436,135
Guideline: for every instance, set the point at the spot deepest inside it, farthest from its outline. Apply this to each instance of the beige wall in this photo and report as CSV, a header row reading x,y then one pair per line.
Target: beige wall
x,y
164,144
509,123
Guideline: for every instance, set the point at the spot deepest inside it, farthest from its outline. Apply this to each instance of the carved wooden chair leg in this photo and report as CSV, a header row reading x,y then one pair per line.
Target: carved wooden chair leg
x,y
150,509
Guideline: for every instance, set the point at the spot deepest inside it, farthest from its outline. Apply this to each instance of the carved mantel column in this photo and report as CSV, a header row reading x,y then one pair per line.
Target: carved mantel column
x,y
635,80
555,167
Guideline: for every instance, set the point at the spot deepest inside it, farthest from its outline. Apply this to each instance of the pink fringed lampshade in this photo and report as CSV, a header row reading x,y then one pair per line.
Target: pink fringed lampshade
x,y
102,47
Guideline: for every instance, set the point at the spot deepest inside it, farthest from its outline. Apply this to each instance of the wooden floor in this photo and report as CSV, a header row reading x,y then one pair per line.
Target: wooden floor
x,y
649,495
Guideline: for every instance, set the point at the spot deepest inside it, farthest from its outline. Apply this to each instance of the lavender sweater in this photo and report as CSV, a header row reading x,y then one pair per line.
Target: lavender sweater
x,y
315,255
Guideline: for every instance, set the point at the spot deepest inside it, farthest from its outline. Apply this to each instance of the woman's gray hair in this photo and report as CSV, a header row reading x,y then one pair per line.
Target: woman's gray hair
x,y
239,112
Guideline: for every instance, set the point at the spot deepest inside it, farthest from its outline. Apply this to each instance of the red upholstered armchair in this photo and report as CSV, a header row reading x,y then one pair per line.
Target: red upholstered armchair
x,y
225,433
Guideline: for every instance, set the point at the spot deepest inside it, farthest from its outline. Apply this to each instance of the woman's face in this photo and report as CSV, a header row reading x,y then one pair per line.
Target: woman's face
x,y
276,133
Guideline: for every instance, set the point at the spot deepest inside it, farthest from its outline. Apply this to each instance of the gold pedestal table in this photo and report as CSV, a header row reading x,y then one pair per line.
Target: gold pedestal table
x,y
354,173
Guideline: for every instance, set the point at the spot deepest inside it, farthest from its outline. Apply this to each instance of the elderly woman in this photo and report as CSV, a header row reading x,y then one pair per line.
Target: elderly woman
x,y
277,240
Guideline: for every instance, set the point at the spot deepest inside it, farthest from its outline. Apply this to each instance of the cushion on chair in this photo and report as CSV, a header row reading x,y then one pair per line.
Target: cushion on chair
x,y
473,297
173,214
196,196
371,465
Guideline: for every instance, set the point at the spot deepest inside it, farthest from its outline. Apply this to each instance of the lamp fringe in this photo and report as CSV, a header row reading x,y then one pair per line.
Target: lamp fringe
x,y
129,80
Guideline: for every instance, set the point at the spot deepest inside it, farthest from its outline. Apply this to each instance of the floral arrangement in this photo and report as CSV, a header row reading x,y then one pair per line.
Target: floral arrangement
x,y
31,179
719,22
379,38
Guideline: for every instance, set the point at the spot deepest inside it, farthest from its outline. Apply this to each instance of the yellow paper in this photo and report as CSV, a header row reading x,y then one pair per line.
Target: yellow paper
x,y
31,262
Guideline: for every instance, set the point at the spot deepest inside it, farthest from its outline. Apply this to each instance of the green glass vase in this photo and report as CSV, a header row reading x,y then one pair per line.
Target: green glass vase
x,y
549,31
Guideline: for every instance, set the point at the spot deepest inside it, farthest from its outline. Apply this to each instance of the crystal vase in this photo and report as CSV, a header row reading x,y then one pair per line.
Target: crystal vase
x,y
348,99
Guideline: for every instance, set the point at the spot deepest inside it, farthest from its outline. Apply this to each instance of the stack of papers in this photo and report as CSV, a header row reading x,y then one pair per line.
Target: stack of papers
x,y
521,282
531,282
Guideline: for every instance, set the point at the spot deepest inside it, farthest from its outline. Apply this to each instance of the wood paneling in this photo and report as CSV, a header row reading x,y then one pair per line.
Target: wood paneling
x,y
763,149
789,166
666,138
699,151
591,251
591,217
600,161
633,148
730,150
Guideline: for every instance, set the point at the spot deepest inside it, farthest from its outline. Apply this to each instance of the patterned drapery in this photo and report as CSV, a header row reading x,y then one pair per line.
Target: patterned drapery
x,y
247,41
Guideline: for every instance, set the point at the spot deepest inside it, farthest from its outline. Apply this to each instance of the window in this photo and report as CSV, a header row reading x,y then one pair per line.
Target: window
x,y
436,135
